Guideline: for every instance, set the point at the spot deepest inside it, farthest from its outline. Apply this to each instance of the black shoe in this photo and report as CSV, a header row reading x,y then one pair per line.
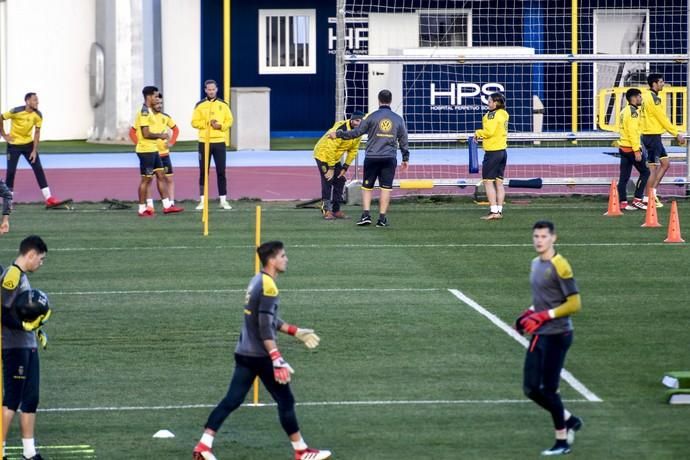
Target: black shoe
x,y
573,424
382,222
35,457
560,448
364,220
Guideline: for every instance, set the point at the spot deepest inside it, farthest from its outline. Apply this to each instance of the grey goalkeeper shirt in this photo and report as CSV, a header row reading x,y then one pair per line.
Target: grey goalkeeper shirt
x,y
385,130
261,319
552,282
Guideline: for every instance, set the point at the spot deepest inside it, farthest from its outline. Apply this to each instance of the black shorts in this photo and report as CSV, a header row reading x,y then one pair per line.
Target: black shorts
x,y
167,165
21,375
654,148
494,165
20,149
382,169
149,163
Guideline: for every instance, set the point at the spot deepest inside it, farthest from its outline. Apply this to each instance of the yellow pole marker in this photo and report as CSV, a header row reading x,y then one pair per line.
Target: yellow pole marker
x,y
257,267
207,160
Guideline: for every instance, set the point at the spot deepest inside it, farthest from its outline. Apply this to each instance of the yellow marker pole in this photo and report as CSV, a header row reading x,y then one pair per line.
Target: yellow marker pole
x,y
207,154
573,70
257,267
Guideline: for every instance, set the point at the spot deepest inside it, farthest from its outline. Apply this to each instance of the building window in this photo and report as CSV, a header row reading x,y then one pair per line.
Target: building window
x,y
445,28
287,41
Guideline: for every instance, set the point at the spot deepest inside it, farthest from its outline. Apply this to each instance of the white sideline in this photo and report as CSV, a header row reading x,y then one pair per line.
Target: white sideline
x,y
304,404
347,246
567,376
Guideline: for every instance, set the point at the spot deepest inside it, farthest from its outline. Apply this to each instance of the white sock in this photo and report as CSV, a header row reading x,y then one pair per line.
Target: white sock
x,y
3,448
207,439
566,414
201,199
562,435
166,203
299,445
500,208
149,202
29,447
645,199
46,192
494,209
223,198
654,190
142,207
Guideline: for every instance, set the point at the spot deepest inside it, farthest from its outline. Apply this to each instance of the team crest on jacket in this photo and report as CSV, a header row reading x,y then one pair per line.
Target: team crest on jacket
x,y
385,125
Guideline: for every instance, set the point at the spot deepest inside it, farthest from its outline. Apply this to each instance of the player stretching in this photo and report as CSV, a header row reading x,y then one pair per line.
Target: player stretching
x,y
654,123
630,152
386,132
554,298
328,153
20,142
494,136
256,354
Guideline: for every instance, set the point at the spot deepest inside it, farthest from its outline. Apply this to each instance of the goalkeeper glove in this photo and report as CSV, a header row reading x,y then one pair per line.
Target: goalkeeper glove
x,y
38,322
42,338
518,322
308,337
281,369
534,321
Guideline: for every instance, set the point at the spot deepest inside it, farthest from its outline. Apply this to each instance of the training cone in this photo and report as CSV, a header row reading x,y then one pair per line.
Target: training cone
x,y
614,204
674,226
650,218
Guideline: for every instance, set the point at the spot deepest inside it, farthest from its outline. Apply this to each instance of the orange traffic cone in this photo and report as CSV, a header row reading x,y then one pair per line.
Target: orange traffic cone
x,y
650,218
674,226
614,205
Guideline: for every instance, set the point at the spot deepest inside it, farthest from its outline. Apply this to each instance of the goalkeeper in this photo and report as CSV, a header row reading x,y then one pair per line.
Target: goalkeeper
x,y
494,137
21,372
554,298
328,153
257,355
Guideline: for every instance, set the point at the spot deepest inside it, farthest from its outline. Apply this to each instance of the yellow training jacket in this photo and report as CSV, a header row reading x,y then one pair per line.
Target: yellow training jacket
x,y
494,130
629,128
207,110
653,118
331,150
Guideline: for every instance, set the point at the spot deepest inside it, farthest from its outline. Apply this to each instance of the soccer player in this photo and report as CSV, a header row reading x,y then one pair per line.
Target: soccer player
x,y
631,152
256,354
148,132
6,195
555,297
386,132
328,154
654,123
216,113
494,136
166,121
20,142
21,369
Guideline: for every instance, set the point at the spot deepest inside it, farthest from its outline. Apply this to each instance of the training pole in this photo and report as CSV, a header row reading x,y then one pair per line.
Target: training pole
x,y
257,267
207,165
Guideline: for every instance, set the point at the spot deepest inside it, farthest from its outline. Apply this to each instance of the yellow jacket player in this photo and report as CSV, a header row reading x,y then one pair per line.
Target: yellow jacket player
x,y
654,123
630,152
494,137
216,113
328,154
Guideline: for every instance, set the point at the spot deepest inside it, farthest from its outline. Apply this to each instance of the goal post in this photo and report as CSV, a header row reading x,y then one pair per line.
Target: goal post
x,y
441,59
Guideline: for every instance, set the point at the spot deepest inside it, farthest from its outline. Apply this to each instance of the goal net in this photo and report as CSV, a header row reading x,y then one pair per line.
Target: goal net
x,y
564,76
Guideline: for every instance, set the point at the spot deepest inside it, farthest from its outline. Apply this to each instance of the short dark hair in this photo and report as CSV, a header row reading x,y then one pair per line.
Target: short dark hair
x,y
385,97
160,95
149,91
653,78
32,242
499,99
27,96
269,250
544,224
631,93
210,82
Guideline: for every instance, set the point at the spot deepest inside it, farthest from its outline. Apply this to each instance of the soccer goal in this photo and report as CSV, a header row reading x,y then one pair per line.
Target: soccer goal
x,y
563,67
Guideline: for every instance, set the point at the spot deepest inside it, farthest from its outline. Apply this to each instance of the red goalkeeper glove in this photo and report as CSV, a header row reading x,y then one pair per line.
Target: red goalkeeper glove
x,y
518,322
534,321
281,369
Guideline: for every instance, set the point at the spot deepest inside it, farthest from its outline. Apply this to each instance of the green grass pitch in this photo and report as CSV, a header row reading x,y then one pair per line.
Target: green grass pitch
x,y
147,312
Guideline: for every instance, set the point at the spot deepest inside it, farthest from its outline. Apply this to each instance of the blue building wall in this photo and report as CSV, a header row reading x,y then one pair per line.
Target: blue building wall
x,y
306,102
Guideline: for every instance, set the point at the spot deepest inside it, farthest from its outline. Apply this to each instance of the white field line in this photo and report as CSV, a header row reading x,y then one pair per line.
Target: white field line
x,y
346,246
567,376
431,402
221,291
